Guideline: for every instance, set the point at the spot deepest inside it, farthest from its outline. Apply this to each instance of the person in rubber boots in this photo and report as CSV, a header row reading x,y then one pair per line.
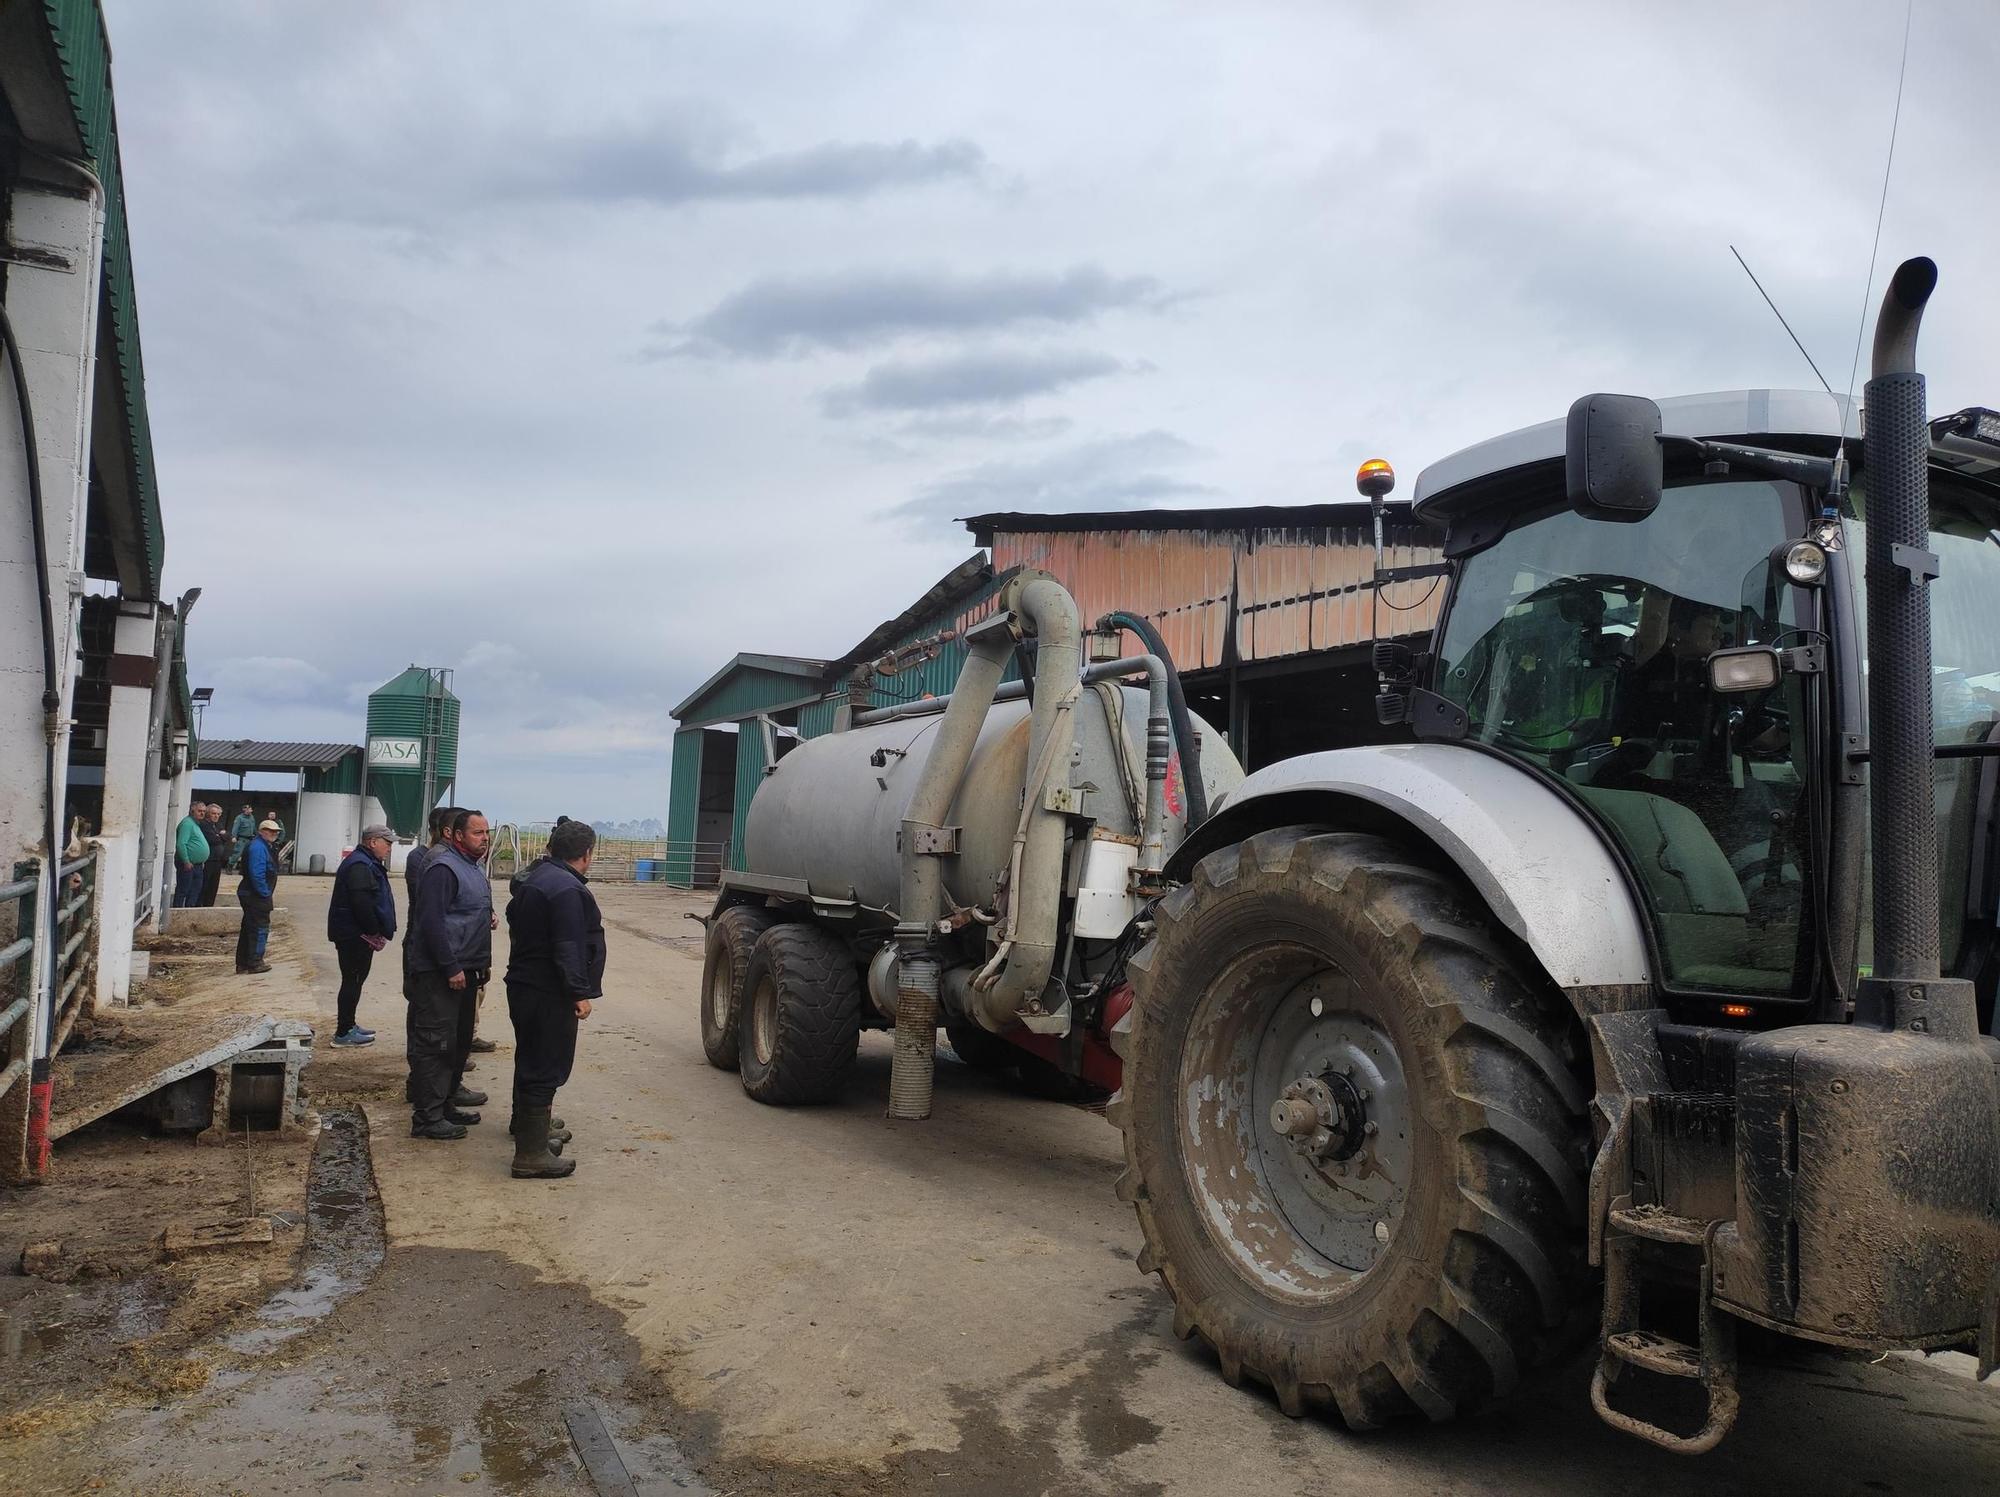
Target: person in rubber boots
x,y
555,968
451,951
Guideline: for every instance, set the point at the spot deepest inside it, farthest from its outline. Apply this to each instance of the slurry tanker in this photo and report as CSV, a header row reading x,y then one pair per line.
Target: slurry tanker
x,y
1648,985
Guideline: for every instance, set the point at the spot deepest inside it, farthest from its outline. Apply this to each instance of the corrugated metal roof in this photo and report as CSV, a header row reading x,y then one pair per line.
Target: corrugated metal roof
x,y
1211,520
1238,593
750,684
266,754
77,29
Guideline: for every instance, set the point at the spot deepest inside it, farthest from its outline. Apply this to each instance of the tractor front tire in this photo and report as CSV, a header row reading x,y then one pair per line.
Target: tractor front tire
x,y
725,959
799,1024
1413,1240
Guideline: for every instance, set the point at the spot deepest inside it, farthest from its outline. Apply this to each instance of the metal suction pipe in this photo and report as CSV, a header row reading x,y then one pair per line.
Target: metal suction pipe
x,y
920,901
1034,894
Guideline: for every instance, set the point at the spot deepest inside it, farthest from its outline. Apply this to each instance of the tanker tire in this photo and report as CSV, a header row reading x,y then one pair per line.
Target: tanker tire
x,y
1485,1273
725,959
812,1016
983,1051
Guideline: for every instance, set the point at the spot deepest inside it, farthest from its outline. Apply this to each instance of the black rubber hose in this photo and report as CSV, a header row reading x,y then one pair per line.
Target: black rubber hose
x,y
1177,712
51,679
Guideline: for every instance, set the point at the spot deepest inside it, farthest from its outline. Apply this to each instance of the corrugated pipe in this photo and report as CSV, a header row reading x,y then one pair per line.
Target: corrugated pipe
x,y
920,901
1034,891
1193,786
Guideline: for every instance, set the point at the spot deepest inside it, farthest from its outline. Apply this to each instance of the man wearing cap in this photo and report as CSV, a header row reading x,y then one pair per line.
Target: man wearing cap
x,y
360,919
450,950
256,894
242,832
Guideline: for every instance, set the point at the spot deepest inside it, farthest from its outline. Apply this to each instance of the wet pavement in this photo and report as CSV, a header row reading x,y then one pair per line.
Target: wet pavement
x,y
345,1243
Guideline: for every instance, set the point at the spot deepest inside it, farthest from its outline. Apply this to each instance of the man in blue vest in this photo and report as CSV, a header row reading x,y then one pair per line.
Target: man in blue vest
x,y
450,954
555,969
257,893
360,919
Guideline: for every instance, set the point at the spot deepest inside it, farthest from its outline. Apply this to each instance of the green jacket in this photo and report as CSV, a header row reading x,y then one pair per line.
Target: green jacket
x,y
190,845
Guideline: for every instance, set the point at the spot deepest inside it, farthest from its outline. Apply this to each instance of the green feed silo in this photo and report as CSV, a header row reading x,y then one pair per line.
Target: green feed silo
x,y
412,745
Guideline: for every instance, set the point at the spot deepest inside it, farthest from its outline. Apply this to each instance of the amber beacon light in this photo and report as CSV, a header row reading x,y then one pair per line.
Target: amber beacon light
x,y
1375,478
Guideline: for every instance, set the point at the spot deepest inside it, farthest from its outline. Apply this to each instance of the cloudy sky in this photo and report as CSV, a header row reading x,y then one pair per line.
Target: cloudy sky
x,y
577,347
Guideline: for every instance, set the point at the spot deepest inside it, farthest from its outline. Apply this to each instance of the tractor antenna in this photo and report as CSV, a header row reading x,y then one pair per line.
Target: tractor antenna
x,y
1881,207
1780,316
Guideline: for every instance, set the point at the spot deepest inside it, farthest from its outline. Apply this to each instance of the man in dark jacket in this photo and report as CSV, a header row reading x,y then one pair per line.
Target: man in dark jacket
x,y
221,846
360,919
555,968
450,951
257,893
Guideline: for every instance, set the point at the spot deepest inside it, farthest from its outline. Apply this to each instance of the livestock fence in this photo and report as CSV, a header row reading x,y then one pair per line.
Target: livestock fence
x,y
671,863
23,929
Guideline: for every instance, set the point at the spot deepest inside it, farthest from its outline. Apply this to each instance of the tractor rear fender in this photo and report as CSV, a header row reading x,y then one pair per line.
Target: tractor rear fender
x,y
1542,869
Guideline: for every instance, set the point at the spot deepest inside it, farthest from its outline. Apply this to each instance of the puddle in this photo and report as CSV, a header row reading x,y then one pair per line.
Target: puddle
x,y
121,1313
344,1237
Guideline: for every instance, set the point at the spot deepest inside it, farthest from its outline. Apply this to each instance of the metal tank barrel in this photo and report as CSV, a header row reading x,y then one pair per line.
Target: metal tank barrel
x,y
831,810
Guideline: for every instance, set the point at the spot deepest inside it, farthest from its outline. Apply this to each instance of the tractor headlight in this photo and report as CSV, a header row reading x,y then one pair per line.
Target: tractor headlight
x,y
1804,562
1752,668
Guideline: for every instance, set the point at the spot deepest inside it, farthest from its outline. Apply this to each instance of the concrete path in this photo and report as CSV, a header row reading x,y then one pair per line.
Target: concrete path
x,y
840,1303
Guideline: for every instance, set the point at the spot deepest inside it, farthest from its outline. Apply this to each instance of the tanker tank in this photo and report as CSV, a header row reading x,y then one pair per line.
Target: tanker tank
x,y
829,813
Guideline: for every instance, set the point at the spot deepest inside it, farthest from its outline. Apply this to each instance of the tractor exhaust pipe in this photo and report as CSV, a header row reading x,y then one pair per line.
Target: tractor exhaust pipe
x,y
1905,991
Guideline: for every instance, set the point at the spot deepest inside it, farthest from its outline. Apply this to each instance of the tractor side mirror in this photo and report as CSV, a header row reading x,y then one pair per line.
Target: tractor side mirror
x,y
1613,466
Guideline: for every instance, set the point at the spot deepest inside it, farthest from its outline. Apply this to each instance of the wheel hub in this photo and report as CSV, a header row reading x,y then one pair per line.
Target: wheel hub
x,y
1335,1145
1321,1117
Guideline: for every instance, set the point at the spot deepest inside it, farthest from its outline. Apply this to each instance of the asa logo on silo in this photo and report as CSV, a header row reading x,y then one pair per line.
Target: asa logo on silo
x,y
395,753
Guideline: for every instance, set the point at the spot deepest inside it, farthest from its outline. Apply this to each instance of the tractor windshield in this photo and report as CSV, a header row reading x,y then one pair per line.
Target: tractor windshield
x,y
1581,647
1965,679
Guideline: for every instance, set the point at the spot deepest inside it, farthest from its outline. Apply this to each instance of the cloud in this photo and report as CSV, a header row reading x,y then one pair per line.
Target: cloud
x,y
277,678
1109,473
662,165
975,378
781,316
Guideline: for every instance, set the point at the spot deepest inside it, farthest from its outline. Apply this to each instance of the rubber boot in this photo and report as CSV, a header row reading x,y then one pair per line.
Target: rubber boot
x,y
532,1157
558,1130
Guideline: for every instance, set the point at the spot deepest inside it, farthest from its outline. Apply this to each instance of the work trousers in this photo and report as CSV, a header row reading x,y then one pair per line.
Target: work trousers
x,y
187,886
544,1043
356,957
211,880
436,1015
254,933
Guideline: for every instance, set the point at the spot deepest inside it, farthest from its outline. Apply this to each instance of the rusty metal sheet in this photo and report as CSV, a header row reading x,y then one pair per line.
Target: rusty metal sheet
x,y
1269,592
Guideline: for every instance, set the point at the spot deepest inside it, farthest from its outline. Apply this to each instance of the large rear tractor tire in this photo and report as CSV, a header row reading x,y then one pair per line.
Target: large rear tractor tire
x,y
1355,1130
725,959
800,1020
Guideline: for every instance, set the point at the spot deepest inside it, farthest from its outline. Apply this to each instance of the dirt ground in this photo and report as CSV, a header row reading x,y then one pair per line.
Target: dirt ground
x,y
744,1299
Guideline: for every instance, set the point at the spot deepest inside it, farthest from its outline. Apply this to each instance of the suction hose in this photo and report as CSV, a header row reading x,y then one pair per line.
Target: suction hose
x,y
1184,736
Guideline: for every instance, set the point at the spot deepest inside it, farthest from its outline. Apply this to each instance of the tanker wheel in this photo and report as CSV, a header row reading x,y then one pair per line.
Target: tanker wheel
x,y
800,1021
983,1051
1354,1130
725,960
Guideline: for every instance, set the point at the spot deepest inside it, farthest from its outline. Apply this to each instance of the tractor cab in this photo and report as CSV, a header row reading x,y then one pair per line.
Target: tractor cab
x,y
1693,679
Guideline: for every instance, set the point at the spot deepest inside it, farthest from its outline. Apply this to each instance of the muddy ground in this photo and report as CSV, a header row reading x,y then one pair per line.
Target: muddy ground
x,y
733,1298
